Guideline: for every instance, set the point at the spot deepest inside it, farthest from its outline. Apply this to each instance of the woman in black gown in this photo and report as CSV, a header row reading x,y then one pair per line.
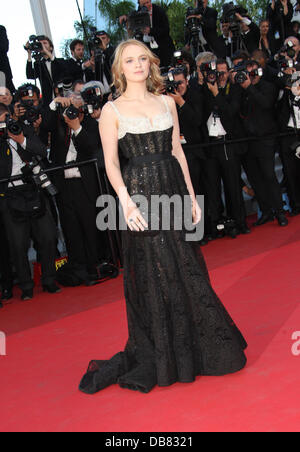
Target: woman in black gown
x,y
178,328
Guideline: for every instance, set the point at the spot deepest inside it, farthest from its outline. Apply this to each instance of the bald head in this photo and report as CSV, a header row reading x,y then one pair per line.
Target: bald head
x,y
5,96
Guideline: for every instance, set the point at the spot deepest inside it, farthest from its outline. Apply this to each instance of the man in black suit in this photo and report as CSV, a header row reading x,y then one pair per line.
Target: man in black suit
x,y
103,74
258,114
250,33
76,141
190,103
222,105
4,62
25,208
49,70
76,68
157,37
208,35
288,120
160,31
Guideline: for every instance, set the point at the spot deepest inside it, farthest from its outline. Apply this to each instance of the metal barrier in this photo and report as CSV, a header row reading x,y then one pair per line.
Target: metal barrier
x,y
115,250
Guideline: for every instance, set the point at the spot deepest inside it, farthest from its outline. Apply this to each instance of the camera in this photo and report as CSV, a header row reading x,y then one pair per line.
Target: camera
x,y
96,41
35,172
209,71
92,97
229,16
227,227
138,21
11,126
71,112
170,85
290,81
35,46
288,48
241,73
178,58
193,24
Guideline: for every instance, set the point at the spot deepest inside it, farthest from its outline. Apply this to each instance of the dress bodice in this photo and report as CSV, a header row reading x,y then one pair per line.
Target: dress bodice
x,y
139,136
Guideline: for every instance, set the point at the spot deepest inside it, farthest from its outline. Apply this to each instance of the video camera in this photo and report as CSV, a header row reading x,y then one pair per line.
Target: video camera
x,y
209,71
193,24
198,11
35,46
34,171
96,41
229,16
138,21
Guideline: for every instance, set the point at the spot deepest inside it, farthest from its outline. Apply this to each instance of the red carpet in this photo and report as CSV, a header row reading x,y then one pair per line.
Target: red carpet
x,y
51,340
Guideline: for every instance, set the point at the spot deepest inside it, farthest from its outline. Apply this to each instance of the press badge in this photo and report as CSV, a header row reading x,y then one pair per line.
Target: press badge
x,y
182,140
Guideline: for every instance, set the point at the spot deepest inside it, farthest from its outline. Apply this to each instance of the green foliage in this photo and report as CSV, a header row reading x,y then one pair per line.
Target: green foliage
x,y
111,10
88,23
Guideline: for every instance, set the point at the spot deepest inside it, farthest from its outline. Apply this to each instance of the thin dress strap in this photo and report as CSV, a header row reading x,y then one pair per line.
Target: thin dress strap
x,y
166,103
116,110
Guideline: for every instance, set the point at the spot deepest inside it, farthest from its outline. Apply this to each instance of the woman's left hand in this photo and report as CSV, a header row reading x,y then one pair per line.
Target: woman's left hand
x,y
197,212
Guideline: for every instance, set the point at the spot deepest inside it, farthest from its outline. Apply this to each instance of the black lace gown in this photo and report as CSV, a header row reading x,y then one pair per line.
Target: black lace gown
x,y
178,327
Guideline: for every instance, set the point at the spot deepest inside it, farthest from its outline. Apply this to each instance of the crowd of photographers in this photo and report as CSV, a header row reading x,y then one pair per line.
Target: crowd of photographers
x,y
237,91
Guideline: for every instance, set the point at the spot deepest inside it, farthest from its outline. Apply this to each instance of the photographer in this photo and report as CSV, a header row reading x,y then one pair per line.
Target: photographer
x,y
25,206
157,36
258,106
207,26
75,138
223,102
288,119
270,74
102,58
75,68
280,15
250,33
4,61
6,98
224,42
46,68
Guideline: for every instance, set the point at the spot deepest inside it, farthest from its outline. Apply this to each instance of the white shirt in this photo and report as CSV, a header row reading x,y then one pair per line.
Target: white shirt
x,y
73,173
215,127
297,116
72,153
17,162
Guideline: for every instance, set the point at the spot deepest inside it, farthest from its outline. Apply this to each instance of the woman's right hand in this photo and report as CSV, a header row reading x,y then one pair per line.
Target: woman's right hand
x,y
135,219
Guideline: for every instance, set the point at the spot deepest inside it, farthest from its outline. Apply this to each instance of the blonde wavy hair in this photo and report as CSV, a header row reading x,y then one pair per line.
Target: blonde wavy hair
x,y
155,82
